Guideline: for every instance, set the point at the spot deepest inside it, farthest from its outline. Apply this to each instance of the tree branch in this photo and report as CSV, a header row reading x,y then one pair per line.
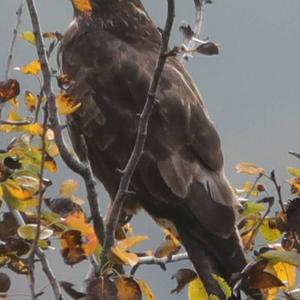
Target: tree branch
x,y
161,261
83,169
141,137
14,38
12,46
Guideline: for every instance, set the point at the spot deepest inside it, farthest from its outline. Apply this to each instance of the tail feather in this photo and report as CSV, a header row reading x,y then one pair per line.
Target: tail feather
x,y
210,255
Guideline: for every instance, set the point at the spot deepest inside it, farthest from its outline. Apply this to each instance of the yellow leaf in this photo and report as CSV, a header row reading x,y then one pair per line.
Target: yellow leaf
x,y
130,242
248,168
33,68
1,192
124,257
30,100
77,221
33,129
197,291
83,5
16,191
223,285
253,208
286,273
294,171
14,102
28,36
68,188
248,187
295,185
66,104
146,290
50,165
269,230
52,149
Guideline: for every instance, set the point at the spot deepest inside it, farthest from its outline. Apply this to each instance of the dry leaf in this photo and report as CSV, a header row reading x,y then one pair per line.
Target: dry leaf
x,y
30,101
9,89
248,168
146,290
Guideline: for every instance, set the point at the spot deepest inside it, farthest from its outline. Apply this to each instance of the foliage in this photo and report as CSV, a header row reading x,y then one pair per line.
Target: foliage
x,y
27,161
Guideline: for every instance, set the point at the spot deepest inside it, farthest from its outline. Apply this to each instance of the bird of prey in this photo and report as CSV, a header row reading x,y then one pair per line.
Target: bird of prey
x,y
110,56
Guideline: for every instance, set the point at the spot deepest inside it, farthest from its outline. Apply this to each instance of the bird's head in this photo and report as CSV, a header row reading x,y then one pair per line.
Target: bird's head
x,y
124,17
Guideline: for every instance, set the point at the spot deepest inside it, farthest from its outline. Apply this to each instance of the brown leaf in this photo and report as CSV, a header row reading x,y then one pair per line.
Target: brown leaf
x,y
4,283
72,247
183,277
9,89
68,288
127,288
101,288
166,248
208,48
293,215
264,280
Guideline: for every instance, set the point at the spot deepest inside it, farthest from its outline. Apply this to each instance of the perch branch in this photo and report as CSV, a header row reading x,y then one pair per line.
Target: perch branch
x,y
83,169
141,137
161,261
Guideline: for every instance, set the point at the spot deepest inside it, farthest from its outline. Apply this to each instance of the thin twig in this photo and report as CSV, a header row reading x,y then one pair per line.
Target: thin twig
x,y
199,4
82,169
137,151
13,41
161,261
34,246
16,123
12,46
278,189
297,155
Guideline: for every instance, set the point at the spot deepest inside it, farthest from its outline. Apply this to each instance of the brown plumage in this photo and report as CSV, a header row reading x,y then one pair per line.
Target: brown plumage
x,y
110,57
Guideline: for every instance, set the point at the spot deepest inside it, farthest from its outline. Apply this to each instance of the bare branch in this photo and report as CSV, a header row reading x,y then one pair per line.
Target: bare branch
x,y
12,46
141,137
16,123
161,261
14,38
83,169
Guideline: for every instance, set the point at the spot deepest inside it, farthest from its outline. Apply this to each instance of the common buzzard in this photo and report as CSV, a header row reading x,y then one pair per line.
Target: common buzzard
x,y
110,57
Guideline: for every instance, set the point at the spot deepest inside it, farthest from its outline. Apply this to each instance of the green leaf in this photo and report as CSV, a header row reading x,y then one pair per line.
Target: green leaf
x,y
253,208
278,255
28,232
294,171
28,36
196,290
269,231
